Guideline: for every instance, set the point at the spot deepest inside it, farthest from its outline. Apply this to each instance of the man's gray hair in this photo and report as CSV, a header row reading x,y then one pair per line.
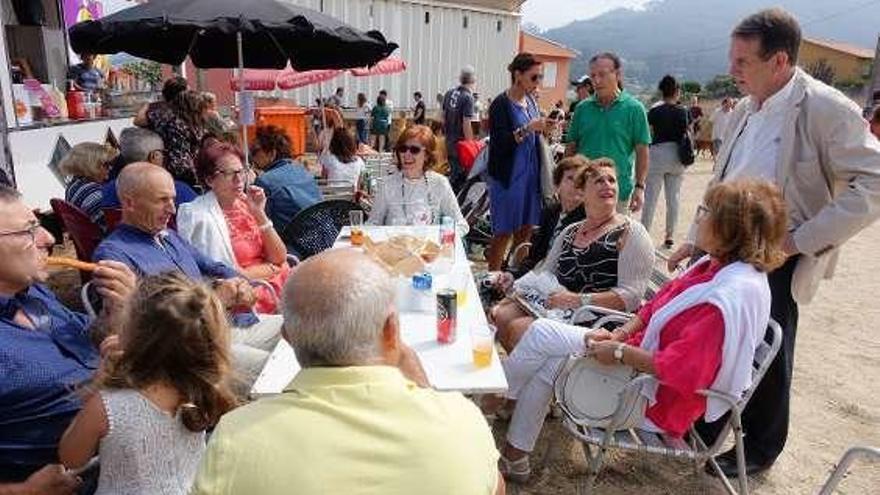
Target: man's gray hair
x,y
136,144
335,308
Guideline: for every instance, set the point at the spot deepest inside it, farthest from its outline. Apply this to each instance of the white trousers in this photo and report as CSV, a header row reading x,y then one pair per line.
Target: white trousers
x,y
251,347
531,369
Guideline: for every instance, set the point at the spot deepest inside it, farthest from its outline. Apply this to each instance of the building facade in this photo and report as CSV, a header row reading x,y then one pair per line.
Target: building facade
x,y
436,40
850,64
556,59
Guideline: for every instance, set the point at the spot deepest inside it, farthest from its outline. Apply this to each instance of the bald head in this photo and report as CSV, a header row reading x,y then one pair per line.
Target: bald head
x,y
336,305
147,195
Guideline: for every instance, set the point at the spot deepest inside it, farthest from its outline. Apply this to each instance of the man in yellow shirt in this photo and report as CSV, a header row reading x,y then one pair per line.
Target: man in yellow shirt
x,y
358,418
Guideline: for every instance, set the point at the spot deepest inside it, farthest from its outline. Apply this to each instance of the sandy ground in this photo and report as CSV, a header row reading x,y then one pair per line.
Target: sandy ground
x,y
835,400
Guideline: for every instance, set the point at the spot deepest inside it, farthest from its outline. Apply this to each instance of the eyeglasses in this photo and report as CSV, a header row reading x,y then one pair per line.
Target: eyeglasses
x,y
231,174
537,77
30,231
413,150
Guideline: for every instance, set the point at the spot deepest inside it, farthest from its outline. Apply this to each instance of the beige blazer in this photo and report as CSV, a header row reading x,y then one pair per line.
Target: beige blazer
x,y
829,172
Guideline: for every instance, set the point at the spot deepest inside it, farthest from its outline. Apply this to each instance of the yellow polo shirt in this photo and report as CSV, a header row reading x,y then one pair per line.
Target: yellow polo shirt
x,y
355,430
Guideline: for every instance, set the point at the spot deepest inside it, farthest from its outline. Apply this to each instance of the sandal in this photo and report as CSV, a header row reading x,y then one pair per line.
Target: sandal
x,y
517,471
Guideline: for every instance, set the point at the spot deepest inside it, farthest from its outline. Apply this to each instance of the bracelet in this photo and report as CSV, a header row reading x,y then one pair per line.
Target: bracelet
x,y
586,299
640,186
267,225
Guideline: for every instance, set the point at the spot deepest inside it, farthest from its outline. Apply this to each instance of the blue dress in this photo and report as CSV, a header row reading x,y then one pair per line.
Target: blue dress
x,y
520,202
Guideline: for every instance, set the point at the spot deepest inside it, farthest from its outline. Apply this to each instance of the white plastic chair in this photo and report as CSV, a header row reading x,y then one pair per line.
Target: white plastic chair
x,y
648,443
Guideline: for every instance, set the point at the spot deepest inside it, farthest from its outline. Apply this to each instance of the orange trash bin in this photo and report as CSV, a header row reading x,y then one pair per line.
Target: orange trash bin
x,y
292,119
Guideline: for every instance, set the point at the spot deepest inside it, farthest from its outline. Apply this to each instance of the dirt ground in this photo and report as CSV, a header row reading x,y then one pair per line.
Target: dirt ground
x,y
835,403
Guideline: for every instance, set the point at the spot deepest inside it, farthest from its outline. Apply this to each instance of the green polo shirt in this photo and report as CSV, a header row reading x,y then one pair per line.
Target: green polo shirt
x,y
611,132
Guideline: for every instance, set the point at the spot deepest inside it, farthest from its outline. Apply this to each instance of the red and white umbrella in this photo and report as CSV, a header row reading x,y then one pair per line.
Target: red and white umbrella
x,y
291,79
268,80
390,65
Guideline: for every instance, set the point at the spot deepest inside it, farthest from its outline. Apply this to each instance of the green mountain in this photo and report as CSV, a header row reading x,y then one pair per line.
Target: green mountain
x,y
689,38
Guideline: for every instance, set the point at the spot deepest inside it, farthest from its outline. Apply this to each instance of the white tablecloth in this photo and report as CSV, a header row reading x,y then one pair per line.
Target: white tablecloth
x,y
448,367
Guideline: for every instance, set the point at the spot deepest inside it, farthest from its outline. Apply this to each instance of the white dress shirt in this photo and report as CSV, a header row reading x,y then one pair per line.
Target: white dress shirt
x,y
756,149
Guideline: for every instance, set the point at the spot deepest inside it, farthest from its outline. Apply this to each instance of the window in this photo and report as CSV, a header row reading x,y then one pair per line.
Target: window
x,y
549,75
427,17
464,22
498,26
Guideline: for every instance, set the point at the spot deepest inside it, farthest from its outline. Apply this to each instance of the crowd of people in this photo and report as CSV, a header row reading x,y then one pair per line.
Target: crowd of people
x,y
197,286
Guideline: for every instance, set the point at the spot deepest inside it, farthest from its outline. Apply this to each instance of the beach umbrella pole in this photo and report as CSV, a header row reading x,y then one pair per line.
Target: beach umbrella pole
x,y
243,91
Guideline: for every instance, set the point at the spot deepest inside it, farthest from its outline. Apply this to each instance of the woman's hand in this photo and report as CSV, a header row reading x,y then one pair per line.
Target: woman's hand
x,y
255,199
537,125
603,351
564,299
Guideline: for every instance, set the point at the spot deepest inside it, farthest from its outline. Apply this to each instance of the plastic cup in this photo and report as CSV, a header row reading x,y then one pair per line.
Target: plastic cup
x,y
356,220
482,344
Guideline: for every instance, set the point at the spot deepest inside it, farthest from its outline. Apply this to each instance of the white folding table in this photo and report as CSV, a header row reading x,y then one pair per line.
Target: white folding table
x,y
449,367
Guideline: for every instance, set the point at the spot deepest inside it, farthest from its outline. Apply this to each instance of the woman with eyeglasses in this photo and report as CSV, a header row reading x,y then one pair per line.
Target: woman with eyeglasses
x,y
416,195
700,331
515,124
229,222
88,165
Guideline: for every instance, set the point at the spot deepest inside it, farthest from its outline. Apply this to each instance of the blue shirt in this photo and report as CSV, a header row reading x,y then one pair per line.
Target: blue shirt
x,y
142,252
40,369
110,199
289,188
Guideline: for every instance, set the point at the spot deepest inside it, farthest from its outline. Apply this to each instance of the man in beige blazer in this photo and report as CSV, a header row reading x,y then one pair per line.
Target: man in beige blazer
x,y
811,141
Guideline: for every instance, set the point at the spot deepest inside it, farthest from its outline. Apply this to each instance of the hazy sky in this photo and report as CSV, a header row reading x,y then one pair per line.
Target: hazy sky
x,y
554,13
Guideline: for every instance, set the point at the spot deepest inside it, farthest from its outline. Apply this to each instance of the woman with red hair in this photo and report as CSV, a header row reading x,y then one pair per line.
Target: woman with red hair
x,y
230,224
416,195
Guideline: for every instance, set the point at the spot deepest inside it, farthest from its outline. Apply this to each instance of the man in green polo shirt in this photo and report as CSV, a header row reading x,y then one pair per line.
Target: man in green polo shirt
x,y
613,124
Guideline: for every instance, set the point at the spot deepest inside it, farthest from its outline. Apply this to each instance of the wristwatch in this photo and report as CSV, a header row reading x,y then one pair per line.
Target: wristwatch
x,y
639,185
618,352
586,299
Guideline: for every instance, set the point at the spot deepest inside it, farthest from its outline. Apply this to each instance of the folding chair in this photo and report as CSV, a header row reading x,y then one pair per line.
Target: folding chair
x,y
84,233
648,443
315,228
843,465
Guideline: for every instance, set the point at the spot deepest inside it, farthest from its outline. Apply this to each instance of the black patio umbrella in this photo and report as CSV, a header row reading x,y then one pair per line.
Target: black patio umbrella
x,y
256,34
253,34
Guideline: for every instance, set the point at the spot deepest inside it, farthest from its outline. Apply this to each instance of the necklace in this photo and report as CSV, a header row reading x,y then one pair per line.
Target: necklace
x,y
403,193
583,231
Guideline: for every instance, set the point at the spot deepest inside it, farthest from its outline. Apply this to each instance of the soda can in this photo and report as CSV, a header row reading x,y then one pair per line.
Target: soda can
x,y
446,316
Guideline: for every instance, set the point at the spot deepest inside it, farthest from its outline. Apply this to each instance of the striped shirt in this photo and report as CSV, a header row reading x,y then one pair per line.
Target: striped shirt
x,y
86,195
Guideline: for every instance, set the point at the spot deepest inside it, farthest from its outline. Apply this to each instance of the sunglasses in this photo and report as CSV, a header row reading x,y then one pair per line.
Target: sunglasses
x,y
413,150
537,77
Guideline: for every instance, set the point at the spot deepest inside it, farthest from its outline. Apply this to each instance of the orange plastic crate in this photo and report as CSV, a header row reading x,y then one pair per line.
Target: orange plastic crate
x,y
292,119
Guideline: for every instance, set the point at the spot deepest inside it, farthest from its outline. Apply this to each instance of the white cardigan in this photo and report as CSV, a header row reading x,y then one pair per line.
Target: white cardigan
x,y
742,294
202,223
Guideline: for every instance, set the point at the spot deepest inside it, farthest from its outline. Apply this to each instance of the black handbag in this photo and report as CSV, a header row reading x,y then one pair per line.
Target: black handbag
x,y
686,153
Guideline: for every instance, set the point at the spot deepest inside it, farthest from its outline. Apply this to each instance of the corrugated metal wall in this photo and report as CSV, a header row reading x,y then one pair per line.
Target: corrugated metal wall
x,y
434,50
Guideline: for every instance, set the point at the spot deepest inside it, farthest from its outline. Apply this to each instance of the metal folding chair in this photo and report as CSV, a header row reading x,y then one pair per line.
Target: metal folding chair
x,y
647,443
843,465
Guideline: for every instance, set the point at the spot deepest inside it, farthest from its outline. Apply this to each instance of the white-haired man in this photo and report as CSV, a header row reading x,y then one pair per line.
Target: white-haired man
x,y
357,418
136,145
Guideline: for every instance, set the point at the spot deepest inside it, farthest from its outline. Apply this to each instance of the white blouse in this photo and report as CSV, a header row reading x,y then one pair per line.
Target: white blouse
x,y
336,170
422,201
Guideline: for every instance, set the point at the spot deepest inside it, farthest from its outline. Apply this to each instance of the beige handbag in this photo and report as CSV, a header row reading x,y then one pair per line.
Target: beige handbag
x,y
589,393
